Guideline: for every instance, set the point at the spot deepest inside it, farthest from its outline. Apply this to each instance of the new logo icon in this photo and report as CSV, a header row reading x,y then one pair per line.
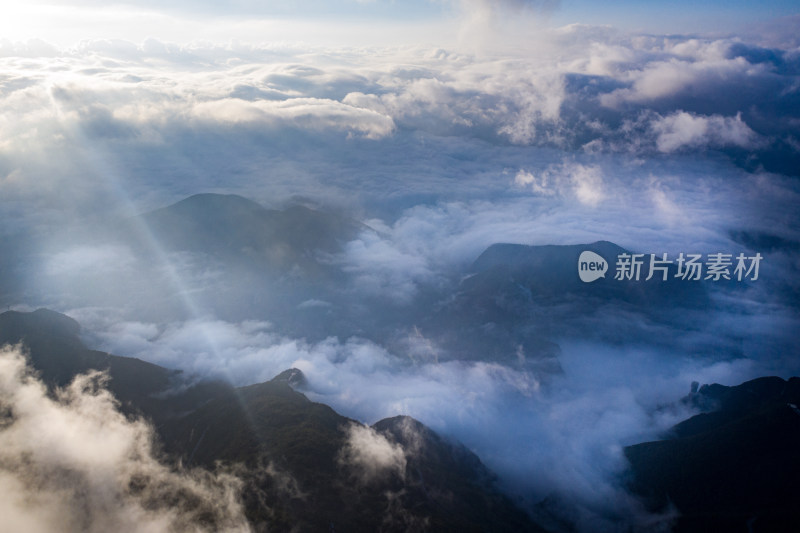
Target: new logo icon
x,y
591,266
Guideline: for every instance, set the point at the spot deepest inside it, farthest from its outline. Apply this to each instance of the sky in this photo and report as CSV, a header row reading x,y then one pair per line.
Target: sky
x,y
446,126
359,21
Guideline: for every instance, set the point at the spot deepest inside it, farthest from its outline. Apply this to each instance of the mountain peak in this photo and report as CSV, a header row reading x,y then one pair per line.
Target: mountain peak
x,y
212,198
525,255
230,225
207,205
43,319
294,377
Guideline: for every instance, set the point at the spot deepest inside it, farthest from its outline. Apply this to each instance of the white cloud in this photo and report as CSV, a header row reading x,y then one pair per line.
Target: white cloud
x,y
579,421
370,455
71,463
112,116
584,182
306,113
682,130
382,268
669,77
452,149
538,185
97,259
587,182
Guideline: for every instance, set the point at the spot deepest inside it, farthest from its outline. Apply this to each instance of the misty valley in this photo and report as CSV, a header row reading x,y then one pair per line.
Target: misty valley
x,y
266,378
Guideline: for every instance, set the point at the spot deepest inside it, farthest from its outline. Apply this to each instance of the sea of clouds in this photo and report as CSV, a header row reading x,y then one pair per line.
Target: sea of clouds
x,y
662,143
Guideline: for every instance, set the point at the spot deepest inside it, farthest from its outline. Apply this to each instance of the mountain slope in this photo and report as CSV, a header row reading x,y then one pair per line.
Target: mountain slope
x,y
550,273
516,300
235,228
734,468
302,463
241,260
58,354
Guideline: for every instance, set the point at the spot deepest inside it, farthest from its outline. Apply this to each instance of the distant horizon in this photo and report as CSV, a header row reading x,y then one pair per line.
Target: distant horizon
x,y
66,24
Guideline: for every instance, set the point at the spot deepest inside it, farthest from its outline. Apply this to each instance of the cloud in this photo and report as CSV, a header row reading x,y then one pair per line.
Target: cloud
x,y
96,129
306,113
74,463
563,434
588,184
546,136
583,182
482,22
692,68
370,455
382,268
537,185
682,130
74,261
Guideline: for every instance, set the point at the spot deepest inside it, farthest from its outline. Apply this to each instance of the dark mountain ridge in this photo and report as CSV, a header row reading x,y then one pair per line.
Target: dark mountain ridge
x,y
58,354
517,300
550,272
231,226
732,468
288,448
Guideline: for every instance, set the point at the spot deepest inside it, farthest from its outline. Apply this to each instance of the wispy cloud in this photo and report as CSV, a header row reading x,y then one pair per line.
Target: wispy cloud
x,y
370,455
74,463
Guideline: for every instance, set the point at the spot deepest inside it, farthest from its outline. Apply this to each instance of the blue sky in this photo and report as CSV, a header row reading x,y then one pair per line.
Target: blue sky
x,y
67,22
674,16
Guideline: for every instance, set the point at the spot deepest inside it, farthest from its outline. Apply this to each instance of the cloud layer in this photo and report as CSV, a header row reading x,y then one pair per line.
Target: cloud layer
x,y
558,136
111,116
562,435
74,463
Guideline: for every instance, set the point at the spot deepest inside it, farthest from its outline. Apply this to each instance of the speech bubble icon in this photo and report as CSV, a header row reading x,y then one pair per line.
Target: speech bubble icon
x,y
591,266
